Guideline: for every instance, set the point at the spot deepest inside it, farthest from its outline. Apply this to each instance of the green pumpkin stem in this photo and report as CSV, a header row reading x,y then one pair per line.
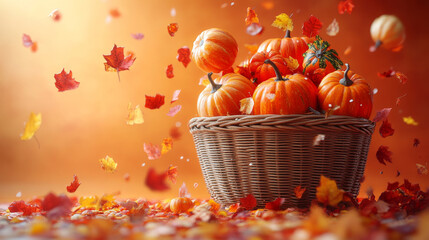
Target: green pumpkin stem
x,y
287,35
346,80
276,70
215,86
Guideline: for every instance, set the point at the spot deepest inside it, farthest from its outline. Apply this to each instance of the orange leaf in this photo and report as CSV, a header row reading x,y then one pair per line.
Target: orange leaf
x,y
167,144
155,181
73,185
172,173
172,28
184,55
251,17
328,192
252,48
299,191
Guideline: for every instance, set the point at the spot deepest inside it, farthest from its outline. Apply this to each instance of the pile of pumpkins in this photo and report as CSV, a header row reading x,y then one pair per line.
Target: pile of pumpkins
x,y
316,80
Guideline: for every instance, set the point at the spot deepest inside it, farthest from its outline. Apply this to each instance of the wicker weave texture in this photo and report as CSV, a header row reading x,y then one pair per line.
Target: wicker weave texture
x,y
269,155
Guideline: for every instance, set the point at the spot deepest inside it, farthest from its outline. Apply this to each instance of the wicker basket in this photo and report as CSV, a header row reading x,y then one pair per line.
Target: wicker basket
x,y
269,155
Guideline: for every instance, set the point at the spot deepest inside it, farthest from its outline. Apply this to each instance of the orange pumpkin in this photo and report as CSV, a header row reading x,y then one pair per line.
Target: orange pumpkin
x,y
287,46
347,90
292,94
181,204
214,50
261,71
388,31
319,60
222,96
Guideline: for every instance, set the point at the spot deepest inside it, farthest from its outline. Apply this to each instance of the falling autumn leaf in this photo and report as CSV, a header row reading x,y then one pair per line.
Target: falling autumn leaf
x,y
55,15
183,55
401,77
174,110
183,191
167,144
348,50
345,6
333,28
299,191
275,205
382,114
33,124
137,36
416,142
155,181
172,173
73,185
154,102
175,133
292,63
383,154
311,27
135,115
421,169
248,202
410,121
246,105
20,206
175,96
172,28
169,71
386,129
328,192
153,151
114,13
251,17
117,61
65,81
108,164
284,22
26,40
252,48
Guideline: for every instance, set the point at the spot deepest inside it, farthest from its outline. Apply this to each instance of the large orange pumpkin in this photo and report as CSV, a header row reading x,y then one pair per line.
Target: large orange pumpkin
x,y
347,90
319,60
214,50
287,46
222,96
181,204
292,94
388,31
261,71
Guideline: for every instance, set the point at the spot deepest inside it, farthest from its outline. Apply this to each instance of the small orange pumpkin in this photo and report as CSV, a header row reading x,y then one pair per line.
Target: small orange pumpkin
x,y
388,31
292,94
288,47
347,90
214,50
261,71
222,96
181,204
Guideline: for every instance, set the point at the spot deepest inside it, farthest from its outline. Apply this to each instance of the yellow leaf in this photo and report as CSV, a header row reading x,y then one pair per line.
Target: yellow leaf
x,y
317,222
89,202
292,63
135,115
32,126
328,192
167,144
107,201
410,121
283,22
108,68
39,226
108,164
246,105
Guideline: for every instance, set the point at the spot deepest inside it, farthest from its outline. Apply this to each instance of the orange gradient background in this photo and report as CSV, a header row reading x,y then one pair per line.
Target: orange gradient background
x,y
83,125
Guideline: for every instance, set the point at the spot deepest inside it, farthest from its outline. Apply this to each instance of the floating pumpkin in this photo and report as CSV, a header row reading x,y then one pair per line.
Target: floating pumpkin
x,y
261,71
181,204
346,91
320,60
222,96
214,50
388,31
292,94
288,47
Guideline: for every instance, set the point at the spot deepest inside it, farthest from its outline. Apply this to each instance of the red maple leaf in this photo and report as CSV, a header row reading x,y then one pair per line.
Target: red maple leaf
x,y
386,129
73,185
155,181
21,206
311,27
154,102
275,205
382,114
183,55
299,191
172,28
383,154
117,61
56,206
169,71
248,202
64,81
345,6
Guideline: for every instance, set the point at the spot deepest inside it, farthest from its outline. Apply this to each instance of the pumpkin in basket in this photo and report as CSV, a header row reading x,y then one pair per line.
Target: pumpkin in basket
x,y
346,91
222,96
288,47
319,60
261,71
181,204
214,50
388,31
292,94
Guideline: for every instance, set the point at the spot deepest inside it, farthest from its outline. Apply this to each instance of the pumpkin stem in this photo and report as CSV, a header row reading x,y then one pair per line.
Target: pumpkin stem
x,y
215,86
276,70
346,80
287,35
377,44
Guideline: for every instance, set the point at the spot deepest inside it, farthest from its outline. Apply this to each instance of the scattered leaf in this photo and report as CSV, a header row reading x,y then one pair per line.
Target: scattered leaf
x,y
26,40
348,50
169,71
175,96
175,133
137,36
299,191
117,61
34,47
292,63
252,48
56,206
114,13
21,206
254,29
410,121
311,27
383,154
382,114
284,22
55,15
333,28
416,142
275,205
248,202
401,77
108,164
73,185
135,115
33,124
246,105
153,151
251,17
328,192
155,181
345,6
154,102
183,191
172,28
318,138
65,81
174,110
386,129
172,173
183,55
167,144
421,169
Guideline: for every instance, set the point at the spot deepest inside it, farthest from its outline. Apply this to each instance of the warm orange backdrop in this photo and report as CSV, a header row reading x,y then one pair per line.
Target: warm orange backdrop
x,y
83,125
